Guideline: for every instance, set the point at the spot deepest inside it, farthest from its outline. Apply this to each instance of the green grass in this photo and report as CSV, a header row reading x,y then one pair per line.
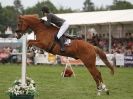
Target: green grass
x,y
50,85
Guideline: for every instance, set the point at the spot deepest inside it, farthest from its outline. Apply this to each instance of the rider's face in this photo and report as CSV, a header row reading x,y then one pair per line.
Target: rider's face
x,y
45,14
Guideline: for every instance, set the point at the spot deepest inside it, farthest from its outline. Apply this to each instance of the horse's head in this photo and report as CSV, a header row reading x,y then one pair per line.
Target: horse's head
x,y
24,22
22,26
30,21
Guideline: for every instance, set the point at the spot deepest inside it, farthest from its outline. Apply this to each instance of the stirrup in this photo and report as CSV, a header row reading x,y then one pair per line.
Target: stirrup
x,y
62,49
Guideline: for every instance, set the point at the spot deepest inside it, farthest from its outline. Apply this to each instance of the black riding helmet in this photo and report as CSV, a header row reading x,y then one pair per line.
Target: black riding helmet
x,y
45,9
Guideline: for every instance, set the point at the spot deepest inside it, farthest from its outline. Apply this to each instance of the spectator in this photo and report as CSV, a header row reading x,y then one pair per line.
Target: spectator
x,y
128,51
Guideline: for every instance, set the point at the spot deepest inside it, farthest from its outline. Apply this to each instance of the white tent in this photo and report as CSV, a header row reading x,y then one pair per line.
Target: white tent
x,y
99,17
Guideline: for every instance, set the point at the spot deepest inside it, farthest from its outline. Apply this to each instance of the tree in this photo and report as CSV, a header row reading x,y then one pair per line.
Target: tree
x,y
88,6
9,17
1,18
8,14
120,4
101,8
37,8
51,6
63,10
18,6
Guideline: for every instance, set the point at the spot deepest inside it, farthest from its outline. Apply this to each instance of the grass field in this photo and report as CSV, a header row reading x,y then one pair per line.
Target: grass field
x,y
50,85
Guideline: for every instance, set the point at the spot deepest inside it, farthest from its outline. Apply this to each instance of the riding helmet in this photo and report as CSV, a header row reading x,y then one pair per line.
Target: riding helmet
x,y
45,9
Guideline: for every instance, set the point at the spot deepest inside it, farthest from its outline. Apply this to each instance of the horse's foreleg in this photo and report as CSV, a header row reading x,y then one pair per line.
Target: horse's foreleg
x,y
31,42
36,43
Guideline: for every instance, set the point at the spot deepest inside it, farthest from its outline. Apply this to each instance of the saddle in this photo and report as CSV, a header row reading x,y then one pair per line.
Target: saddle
x,y
73,37
66,39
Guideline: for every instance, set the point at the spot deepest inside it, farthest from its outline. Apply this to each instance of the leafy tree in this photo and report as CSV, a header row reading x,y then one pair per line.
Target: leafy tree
x,y
120,4
18,6
51,6
0,7
63,10
8,14
37,8
102,8
1,18
88,6
9,17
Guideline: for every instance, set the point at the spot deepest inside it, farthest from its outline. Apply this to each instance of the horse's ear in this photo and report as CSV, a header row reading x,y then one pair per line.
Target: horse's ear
x,y
20,16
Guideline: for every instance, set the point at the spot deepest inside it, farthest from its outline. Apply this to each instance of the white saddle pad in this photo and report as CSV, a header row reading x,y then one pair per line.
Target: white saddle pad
x,y
67,42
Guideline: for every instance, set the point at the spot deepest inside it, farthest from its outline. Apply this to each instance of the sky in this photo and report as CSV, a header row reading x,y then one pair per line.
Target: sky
x,y
74,4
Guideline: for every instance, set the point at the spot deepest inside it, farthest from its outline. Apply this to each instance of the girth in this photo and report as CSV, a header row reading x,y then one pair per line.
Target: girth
x,y
51,47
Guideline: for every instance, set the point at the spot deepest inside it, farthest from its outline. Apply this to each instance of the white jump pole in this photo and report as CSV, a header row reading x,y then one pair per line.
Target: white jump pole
x,y
24,58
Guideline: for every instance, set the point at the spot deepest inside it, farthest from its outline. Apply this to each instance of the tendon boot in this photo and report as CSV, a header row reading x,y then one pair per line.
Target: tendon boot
x,y
61,41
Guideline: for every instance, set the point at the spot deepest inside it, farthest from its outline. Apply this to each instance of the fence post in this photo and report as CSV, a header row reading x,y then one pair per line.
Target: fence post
x,y
24,58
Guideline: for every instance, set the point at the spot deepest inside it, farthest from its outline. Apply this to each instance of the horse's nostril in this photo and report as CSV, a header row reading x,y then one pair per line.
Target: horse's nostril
x,y
16,31
15,35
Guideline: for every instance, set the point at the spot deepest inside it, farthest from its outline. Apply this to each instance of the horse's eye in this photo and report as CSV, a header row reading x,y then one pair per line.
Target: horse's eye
x,y
18,24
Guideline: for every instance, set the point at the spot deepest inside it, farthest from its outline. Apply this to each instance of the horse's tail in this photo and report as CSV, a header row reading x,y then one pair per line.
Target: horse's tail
x,y
102,55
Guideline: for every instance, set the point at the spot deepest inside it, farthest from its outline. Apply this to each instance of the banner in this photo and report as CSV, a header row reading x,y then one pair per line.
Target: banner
x,y
110,58
128,60
41,58
79,62
51,58
119,59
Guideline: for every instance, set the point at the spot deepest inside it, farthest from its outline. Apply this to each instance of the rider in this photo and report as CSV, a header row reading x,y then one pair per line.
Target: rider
x,y
59,22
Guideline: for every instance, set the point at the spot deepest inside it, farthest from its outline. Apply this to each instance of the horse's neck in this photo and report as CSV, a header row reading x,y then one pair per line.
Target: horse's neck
x,y
45,33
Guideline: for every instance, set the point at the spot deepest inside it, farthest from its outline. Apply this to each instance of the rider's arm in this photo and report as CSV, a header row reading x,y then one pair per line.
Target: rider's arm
x,y
48,22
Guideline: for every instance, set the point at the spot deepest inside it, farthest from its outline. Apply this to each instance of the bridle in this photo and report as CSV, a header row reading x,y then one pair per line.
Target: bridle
x,y
19,32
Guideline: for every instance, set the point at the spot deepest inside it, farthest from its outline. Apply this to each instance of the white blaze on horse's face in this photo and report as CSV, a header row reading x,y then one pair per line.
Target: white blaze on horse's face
x,y
21,27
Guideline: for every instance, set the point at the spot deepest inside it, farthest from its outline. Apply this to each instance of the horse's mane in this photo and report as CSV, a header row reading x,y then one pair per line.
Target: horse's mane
x,y
33,16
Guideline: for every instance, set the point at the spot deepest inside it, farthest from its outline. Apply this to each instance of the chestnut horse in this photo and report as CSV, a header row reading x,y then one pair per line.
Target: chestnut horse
x,y
78,49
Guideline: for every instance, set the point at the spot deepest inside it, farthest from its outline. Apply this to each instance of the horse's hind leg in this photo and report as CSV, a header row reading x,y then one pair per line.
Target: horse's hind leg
x,y
102,86
98,79
90,65
95,74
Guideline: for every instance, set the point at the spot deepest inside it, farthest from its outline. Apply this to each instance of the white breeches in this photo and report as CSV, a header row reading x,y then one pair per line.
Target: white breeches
x,y
63,29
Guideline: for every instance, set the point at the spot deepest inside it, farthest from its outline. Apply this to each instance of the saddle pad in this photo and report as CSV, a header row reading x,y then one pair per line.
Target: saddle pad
x,y
67,41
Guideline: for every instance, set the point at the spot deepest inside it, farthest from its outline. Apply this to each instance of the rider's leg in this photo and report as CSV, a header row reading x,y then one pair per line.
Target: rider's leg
x,y
61,41
62,30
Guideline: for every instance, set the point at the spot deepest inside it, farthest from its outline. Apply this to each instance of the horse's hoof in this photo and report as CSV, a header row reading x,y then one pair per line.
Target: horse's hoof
x,y
107,92
98,94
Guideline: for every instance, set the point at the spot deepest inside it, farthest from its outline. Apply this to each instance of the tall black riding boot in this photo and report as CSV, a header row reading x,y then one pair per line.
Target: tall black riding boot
x,y
61,41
